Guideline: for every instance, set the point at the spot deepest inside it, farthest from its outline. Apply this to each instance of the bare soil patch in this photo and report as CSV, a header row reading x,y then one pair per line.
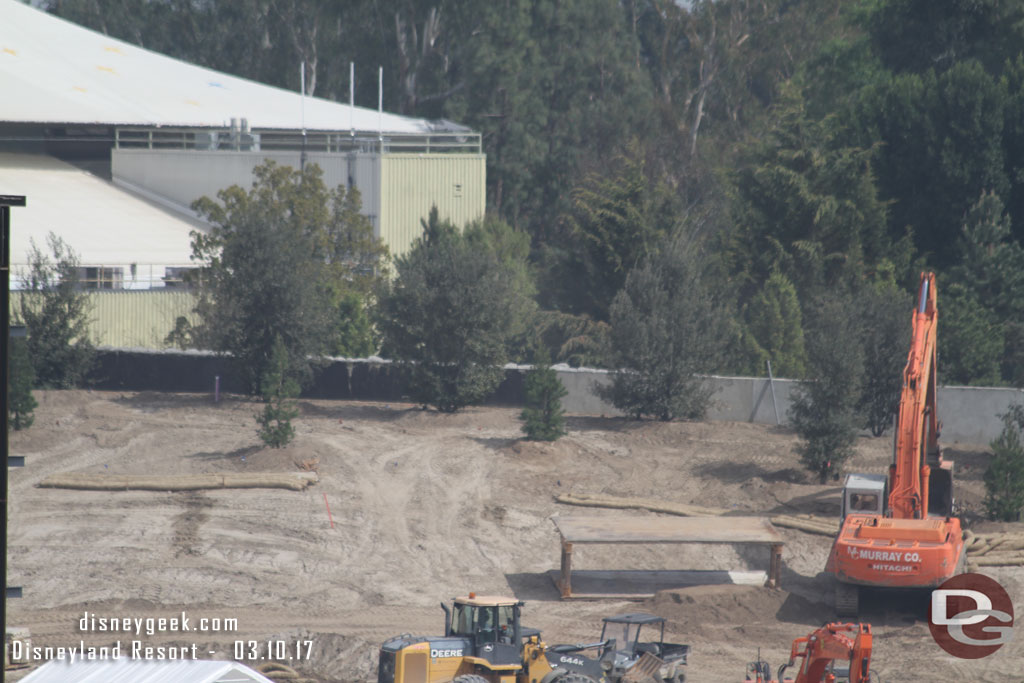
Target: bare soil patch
x,y
425,506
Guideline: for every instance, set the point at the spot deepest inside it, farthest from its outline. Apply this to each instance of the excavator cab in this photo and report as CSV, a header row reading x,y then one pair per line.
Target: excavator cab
x,y
864,494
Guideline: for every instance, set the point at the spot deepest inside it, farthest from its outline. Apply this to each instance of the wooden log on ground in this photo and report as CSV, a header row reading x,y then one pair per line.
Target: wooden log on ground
x,y
811,525
618,502
1010,559
294,481
983,544
978,548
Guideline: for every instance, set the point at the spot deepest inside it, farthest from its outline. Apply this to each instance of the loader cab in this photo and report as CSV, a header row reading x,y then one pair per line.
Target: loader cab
x,y
490,624
625,630
864,494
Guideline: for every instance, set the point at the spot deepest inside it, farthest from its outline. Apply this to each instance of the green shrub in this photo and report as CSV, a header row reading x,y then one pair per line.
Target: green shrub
x,y
543,417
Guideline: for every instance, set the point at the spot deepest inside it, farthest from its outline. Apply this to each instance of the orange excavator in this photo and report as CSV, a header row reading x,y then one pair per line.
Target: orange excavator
x,y
832,653
914,541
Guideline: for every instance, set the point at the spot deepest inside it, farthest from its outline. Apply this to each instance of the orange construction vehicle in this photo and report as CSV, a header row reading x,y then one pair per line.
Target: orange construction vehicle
x,y
914,541
834,652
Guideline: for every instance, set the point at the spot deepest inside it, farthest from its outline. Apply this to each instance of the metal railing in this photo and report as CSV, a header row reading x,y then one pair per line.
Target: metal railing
x,y
244,140
121,277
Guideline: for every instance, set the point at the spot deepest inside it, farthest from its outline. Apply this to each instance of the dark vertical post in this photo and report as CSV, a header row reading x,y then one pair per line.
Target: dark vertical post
x,y
6,202
566,582
775,566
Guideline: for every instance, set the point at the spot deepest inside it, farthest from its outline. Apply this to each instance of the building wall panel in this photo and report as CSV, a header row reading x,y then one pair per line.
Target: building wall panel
x,y
412,183
130,319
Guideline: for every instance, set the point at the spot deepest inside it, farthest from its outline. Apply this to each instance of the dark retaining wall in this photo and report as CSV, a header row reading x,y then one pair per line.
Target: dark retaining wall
x,y
139,370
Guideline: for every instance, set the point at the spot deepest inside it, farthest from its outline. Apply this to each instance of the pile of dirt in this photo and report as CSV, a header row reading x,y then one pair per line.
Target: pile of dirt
x,y
690,609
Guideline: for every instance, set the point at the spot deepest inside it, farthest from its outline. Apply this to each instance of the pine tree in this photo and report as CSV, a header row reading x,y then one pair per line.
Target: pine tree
x,y
990,278
885,311
823,411
543,416
667,327
618,217
56,315
277,388
972,338
20,380
448,316
775,326
1004,478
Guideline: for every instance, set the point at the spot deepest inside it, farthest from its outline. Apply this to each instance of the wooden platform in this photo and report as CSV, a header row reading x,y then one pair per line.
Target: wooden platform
x,y
640,585
579,529
632,529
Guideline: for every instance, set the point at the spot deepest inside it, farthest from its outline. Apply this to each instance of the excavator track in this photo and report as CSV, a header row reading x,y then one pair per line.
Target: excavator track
x,y
847,599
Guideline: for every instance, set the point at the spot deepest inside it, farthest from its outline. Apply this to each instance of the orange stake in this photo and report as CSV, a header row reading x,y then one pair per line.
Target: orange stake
x,y
328,506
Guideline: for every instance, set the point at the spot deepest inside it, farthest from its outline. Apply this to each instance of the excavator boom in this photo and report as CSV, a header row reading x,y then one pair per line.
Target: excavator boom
x,y
917,426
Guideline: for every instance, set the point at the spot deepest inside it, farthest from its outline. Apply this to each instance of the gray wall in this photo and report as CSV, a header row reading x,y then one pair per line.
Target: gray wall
x,y
967,415
182,176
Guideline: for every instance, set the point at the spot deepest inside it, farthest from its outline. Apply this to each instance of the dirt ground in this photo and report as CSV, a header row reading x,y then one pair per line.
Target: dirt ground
x,y
424,506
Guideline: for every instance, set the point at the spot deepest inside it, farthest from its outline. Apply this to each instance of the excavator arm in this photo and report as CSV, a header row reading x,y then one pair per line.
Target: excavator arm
x,y
917,426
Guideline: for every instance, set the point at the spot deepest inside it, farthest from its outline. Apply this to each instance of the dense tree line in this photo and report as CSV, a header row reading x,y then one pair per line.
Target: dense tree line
x,y
801,151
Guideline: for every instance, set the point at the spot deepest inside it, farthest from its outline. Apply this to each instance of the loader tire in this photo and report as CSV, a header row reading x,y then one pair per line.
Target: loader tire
x,y
469,678
574,677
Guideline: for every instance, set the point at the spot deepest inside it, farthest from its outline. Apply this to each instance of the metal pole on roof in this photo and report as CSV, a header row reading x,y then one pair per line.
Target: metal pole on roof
x,y
302,85
351,99
380,104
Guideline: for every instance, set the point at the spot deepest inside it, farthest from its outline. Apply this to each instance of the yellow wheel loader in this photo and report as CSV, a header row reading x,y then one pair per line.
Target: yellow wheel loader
x,y
483,642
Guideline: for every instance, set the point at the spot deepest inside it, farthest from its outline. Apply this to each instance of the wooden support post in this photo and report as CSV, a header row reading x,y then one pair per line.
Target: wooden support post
x,y
566,583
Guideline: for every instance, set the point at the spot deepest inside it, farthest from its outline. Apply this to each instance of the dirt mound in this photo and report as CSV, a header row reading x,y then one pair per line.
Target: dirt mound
x,y
690,609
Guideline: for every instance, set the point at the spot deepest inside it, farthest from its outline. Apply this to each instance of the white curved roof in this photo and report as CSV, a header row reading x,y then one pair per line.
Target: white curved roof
x,y
54,71
102,223
127,670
